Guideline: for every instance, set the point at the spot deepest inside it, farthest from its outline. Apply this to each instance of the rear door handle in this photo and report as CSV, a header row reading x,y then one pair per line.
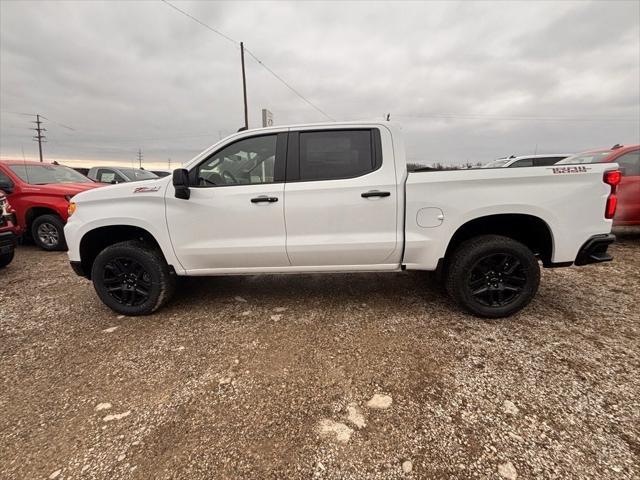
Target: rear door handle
x,y
264,199
375,193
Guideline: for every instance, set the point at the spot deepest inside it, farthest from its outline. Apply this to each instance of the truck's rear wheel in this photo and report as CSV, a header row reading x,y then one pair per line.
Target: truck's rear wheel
x,y
132,278
48,232
492,276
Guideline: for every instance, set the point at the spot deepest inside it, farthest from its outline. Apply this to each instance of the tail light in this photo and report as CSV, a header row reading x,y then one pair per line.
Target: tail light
x,y
612,178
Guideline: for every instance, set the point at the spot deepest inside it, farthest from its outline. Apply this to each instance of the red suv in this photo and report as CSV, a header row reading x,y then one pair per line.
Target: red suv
x,y
40,194
628,192
8,231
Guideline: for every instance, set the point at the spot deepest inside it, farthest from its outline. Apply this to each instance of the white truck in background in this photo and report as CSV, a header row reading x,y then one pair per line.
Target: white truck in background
x,y
338,198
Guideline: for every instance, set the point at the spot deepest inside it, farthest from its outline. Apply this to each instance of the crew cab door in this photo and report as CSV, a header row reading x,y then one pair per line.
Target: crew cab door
x,y
234,218
628,210
341,198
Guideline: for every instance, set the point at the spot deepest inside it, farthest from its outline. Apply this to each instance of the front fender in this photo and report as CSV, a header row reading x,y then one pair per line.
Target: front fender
x,y
145,212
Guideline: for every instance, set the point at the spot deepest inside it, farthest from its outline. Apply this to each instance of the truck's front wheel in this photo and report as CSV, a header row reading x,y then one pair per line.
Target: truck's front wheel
x,y
132,278
492,276
6,258
48,232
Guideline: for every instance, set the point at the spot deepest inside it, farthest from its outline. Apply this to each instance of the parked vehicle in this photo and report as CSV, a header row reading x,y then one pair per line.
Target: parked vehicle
x,y
119,175
8,231
162,173
336,198
628,192
527,161
40,194
84,171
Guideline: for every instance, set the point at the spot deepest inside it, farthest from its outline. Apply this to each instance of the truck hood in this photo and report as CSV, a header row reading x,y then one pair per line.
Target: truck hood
x,y
153,187
61,189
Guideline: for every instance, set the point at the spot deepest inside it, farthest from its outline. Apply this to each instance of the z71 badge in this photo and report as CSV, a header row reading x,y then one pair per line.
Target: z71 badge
x,y
146,189
571,169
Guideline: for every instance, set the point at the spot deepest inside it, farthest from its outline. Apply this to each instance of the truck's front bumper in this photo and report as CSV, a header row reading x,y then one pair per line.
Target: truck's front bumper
x,y
595,250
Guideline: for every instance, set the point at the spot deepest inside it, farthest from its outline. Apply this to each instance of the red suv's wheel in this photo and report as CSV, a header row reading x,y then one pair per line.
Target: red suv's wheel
x,y
48,232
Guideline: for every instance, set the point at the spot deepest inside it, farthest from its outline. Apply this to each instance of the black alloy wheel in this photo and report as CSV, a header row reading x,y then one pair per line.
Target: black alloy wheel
x,y
132,278
497,280
492,276
126,281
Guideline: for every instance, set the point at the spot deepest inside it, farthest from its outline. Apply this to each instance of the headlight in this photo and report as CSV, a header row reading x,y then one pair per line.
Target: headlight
x,y
71,208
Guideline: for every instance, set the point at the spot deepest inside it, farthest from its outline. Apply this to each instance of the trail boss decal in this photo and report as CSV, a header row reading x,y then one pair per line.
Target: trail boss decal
x,y
146,189
573,169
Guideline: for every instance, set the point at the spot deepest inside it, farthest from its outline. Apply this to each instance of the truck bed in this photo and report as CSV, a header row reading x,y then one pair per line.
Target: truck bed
x,y
570,200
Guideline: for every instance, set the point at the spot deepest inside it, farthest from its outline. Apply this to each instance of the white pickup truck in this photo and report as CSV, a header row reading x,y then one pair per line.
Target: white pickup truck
x,y
338,198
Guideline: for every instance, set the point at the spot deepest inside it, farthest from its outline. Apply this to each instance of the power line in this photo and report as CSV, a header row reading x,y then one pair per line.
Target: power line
x,y
18,113
60,124
41,116
200,22
260,62
288,86
463,116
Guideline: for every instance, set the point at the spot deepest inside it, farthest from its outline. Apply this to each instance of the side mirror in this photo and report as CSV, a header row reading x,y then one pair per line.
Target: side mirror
x,y
181,183
6,188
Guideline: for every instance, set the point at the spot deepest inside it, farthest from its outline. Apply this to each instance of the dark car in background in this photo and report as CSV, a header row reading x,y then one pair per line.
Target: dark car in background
x,y
628,191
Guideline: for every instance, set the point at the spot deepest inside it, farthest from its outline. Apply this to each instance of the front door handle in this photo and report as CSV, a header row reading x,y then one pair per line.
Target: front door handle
x,y
375,193
264,199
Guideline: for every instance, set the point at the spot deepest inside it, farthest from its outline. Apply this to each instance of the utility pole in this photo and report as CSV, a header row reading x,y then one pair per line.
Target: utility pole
x,y
169,163
139,158
244,88
39,137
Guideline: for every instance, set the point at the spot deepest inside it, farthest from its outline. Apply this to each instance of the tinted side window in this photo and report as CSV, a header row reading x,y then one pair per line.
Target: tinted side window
x,y
546,161
5,182
245,162
525,162
630,162
331,155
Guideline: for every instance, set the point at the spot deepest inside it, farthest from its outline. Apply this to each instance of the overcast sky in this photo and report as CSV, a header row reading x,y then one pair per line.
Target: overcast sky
x,y
469,81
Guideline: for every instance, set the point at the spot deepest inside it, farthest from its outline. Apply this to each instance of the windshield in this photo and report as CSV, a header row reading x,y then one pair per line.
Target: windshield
x,y
588,157
496,164
137,174
47,173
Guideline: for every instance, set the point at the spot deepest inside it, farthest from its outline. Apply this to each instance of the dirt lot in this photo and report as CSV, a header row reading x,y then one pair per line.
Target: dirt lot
x,y
239,378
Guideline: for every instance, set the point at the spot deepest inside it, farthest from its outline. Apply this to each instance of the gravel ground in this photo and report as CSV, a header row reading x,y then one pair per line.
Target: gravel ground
x,y
274,377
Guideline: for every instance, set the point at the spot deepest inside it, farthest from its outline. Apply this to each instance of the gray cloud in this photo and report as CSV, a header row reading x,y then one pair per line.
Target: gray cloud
x,y
469,81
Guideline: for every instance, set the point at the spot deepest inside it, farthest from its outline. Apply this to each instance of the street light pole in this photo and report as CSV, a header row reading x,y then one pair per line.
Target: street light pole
x,y
244,88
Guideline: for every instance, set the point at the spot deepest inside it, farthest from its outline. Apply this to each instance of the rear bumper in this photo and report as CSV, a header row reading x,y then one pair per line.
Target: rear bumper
x,y
595,250
7,242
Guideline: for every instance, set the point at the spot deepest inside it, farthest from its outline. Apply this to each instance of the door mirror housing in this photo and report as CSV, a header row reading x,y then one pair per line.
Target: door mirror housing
x,y
181,183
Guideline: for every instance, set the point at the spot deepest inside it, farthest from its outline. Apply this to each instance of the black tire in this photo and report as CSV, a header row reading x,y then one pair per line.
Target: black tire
x,y
132,278
6,258
492,276
48,232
